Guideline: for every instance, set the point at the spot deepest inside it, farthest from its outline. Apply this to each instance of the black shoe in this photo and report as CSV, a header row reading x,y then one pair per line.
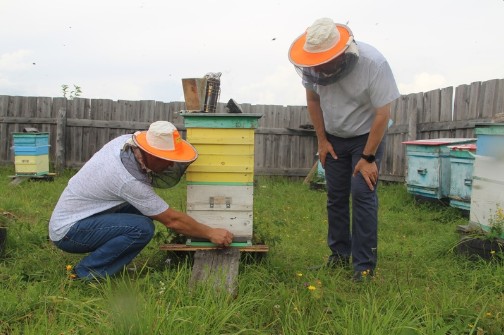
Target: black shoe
x,y
337,261
363,275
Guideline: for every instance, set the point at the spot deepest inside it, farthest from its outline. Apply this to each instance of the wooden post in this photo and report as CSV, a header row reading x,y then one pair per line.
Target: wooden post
x,y
61,123
219,266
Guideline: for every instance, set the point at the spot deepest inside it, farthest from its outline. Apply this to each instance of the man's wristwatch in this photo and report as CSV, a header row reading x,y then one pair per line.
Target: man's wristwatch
x,y
369,158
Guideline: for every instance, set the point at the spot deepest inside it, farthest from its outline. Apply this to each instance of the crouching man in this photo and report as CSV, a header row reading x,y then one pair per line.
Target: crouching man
x,y
108,207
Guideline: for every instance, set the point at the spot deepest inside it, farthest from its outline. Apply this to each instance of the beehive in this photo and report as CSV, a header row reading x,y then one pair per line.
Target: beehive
x,y
220,182
428,171
487,198
31,153
461,173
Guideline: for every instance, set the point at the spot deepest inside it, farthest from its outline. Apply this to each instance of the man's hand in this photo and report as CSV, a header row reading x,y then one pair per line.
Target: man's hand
x,y
186,225
369,172
325,148
221,236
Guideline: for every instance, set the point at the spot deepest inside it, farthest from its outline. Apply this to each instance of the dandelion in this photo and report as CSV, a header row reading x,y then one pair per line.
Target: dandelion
x,y
311,288
488,314
492,252
69,271
299,274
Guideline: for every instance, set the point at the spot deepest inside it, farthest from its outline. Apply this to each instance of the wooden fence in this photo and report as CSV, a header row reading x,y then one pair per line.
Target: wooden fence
x,y
283,145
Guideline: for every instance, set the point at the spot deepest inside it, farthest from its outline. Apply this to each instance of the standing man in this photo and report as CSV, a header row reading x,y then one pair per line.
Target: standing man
x,y
108,207
349,89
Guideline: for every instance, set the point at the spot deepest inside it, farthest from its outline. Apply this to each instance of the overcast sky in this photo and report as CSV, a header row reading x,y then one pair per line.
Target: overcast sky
x,y
141,49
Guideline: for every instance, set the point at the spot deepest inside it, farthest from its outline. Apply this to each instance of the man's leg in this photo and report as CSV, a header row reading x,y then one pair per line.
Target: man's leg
x,y
112,239
338,173
364,218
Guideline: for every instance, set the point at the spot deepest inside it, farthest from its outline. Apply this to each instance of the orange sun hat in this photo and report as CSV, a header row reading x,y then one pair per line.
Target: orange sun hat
x,y
323,41
163,140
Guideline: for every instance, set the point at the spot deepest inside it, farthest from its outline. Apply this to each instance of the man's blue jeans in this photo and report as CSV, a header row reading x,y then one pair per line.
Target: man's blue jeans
x,y
359,239
112,239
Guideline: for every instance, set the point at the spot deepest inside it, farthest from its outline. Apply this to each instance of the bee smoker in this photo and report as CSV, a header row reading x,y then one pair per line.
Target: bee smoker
x,y
212,92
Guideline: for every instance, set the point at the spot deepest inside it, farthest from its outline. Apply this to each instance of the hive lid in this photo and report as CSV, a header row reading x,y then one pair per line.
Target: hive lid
x,y
440,141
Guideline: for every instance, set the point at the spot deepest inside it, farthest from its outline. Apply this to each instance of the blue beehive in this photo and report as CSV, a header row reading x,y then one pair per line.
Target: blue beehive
x,y
428,161
31,154
461,173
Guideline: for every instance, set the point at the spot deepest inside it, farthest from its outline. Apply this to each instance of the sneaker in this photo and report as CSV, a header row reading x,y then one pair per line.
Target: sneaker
x,y
362,275
337,261
334,262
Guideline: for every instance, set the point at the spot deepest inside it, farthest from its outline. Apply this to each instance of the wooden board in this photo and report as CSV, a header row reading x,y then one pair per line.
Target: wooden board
x,y
184,247
218,268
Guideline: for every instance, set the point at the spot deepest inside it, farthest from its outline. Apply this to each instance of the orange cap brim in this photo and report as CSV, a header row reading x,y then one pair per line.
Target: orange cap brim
x,y
184,152
300,57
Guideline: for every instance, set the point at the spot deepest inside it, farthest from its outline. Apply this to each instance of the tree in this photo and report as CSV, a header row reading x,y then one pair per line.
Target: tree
x,y
76,92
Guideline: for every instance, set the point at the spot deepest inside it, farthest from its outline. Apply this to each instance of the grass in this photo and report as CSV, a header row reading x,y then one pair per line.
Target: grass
x,y
421,287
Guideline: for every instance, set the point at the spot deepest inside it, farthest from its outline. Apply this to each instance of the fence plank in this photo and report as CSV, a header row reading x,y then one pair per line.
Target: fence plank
x,y
445,112
461,108
5,138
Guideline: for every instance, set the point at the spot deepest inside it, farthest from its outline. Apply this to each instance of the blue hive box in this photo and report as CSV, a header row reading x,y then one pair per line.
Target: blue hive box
x,y
490,139
461,174
30,139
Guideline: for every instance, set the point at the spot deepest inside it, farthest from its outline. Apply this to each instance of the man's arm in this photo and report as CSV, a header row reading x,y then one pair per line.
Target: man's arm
x,y
186,225
380,123
378,129
317,118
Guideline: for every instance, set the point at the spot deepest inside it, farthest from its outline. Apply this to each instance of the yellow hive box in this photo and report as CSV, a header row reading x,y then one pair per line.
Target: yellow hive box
x,y
224,156
32,165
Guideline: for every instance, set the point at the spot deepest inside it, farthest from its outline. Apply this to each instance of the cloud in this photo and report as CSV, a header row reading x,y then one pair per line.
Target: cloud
x,y
12,64
423,82
15,61
281,85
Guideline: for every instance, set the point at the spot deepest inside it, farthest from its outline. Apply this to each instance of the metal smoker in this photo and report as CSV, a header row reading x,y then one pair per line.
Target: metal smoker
x,y
202,94
212,92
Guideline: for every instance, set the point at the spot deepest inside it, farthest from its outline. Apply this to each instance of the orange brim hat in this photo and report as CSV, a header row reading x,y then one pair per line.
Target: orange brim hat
x,y
163,140
299,56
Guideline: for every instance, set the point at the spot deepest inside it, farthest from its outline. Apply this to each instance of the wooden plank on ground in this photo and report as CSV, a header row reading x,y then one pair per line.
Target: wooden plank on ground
x,y
217,268
311,174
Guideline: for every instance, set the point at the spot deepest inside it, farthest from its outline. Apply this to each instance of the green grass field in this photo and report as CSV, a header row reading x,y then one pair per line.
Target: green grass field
x,y
422,285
